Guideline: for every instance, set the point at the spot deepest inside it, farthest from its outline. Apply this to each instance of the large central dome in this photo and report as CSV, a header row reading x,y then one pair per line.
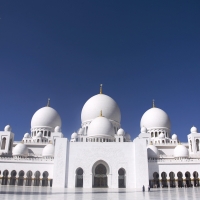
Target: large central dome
x,y
99,102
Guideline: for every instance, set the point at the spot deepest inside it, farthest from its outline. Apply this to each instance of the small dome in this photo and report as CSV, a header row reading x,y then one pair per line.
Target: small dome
x,y
57,129
26,135
120,132
128,137
46,117
101,126
143,130
74,135
152,151
181,151
161,135
39,134
48,151
20,150
81,131
155,118
174,137
7,128
193,129
99,102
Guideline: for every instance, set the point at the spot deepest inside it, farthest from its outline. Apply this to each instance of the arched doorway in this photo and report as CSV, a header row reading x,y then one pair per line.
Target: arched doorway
x,y
13,177
196,179
79,177
37,179
164,179
121,178
180,179
172,179
5,177
156,180
100,176
21,178
188,180
29,178
45,178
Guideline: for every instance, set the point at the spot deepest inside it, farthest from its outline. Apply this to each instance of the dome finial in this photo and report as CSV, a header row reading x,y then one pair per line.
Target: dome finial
x,y
101,88
101,115
48,103
154,103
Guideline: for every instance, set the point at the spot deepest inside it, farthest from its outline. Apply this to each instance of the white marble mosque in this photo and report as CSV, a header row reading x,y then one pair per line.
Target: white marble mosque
x,y
100,154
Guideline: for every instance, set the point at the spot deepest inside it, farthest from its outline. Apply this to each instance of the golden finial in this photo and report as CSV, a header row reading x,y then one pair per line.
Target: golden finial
x,y
101,89
101,115
48,103
154,103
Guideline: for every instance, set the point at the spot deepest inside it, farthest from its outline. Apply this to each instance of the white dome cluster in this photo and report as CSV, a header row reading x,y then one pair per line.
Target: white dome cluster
x,y
101,102
181,151
8,128
74,135
101,127
57,129
20,150
27,135
174,137
48,151
46,117
161,136
120,132
155,118
193,130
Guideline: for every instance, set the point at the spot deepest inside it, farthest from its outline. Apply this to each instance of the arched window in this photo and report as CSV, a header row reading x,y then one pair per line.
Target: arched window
x,y
197,144
5,177
13,177
3,144
164,179
191,145
119,140
79,177
121,178
10,145
29,178
21,178
188,180
45,178
156,134
45,133
49,134
37,179
151,134
180,179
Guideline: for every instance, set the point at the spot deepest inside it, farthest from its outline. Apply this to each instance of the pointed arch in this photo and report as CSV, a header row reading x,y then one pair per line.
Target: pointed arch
x,y
3,144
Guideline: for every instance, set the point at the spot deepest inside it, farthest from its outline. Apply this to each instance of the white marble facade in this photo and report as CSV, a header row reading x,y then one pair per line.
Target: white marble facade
x,y
100,154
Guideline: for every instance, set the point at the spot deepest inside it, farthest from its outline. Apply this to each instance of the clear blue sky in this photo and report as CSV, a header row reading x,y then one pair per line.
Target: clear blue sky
x,y
139,50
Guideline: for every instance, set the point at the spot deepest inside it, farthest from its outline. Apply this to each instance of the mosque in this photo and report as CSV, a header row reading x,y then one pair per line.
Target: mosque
x,y
100,153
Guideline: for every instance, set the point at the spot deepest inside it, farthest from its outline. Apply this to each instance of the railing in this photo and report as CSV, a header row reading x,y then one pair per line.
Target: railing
x,y
26,159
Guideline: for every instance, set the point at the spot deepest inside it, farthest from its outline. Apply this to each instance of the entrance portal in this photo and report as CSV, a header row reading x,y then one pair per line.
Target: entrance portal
x,y
100,176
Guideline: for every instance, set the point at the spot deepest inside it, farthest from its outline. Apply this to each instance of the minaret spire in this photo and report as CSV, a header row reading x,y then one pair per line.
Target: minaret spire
x,y
154,103
101,88
48,103
101,114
